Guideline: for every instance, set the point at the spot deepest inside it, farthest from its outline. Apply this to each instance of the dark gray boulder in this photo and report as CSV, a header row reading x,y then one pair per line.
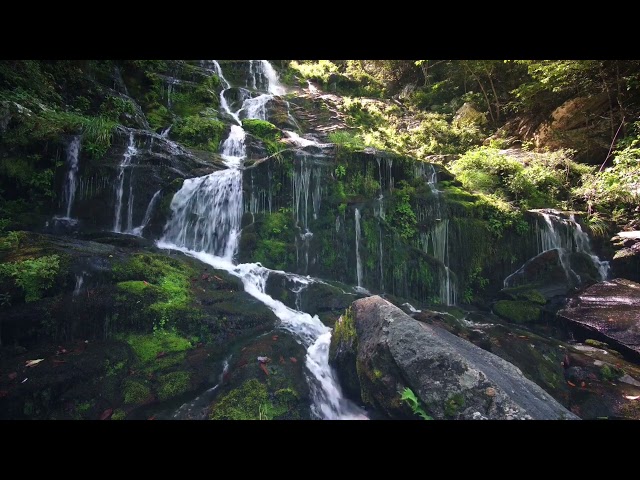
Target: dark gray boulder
x,y
452,378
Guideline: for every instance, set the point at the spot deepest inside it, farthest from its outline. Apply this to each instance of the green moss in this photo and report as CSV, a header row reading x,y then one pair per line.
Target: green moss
x,y
148,346
284,404
173,384
162,281
261,129
595,343
136,287
517,311
242,403
267,132
199,132
525,293
135,391
453,404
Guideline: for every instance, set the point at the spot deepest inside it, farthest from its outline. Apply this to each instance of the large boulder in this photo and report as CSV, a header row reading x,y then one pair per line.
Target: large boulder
x,y
452,379
626,260
608,311
580,124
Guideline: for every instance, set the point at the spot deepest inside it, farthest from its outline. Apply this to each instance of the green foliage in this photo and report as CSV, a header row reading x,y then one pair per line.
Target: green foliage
x,y
597,225
476,283
320,70
346,139
402,217
345,330
540,180
611,373
119,414
10,240
199,132
34,276
616,187
410,398
274,240
340,171
113,108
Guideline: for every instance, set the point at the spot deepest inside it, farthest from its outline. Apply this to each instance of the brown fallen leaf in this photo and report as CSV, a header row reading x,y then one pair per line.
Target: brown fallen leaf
x,y
106,415
264,369
218,278
281,359
161,354
32,363
571,384
274,338
59,361
3,393
293,359
583,384
152,417
13,375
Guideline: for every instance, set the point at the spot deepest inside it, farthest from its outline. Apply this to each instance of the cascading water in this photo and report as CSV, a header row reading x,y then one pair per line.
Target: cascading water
x,y
438,236
566,236
205,223
147,214
70,184
358,262
129,153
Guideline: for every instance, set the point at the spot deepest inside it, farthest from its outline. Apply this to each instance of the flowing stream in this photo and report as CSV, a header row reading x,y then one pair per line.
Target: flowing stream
x,y
205,223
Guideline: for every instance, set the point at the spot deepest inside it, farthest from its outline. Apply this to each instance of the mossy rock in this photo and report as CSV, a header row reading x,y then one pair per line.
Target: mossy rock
x,y
524,293
517,311
147,347
135,391
173,384
252,401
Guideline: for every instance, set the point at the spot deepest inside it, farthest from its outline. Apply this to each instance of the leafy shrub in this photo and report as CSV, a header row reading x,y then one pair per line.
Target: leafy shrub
x,y
34,276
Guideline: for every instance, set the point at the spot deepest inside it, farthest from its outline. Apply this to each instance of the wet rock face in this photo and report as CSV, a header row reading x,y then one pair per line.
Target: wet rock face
x,y
610,310
157,163
451,377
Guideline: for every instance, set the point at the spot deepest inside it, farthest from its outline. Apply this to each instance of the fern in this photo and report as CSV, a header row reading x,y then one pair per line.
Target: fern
x,y
413,401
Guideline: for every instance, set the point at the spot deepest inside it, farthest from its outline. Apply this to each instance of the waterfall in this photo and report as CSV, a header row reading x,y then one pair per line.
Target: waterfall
x,y
166,131
223,100
358,263
438,236
583,244
70,183
147,214
79,282
566,236
205,223
129,153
